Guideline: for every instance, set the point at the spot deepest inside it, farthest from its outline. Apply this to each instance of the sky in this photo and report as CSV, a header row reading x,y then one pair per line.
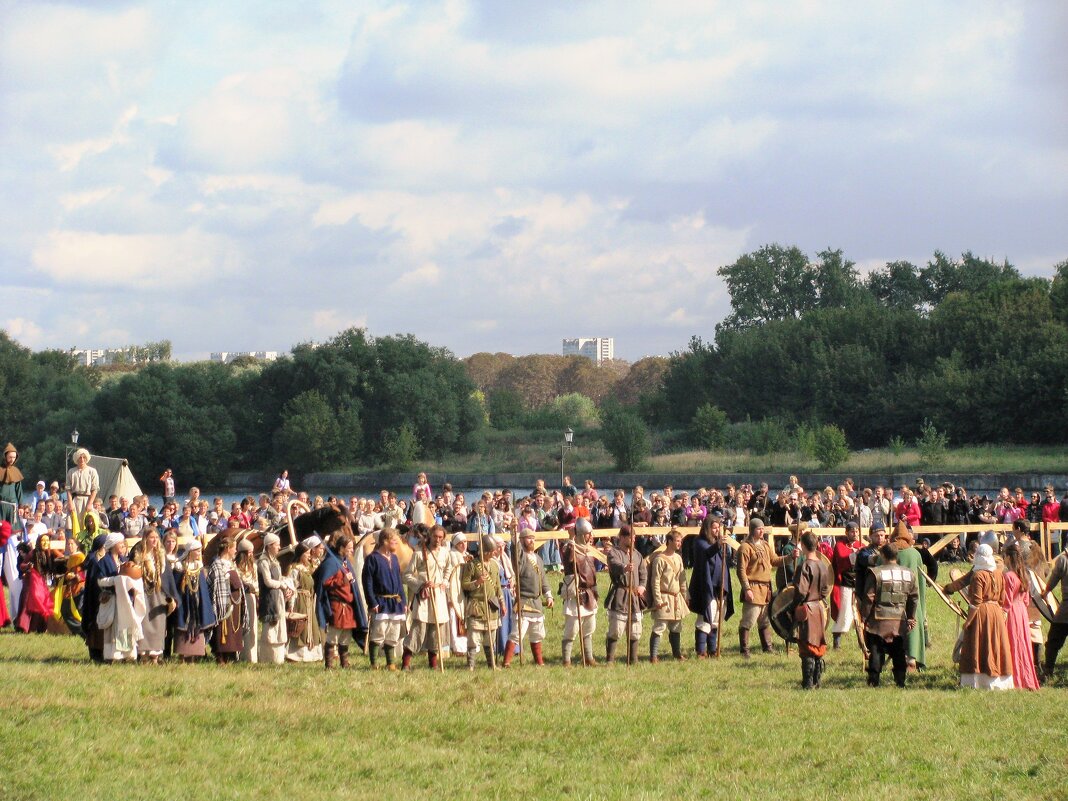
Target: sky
x,y
498,176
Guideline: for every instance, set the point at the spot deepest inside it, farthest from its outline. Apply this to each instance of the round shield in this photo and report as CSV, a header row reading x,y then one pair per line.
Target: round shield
x,y
1046,605
781,613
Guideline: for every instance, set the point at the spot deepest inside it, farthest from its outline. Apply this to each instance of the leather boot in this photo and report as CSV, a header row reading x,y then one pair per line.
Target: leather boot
x,y
743,643
565,651
808,668
372,655
432,659
837,641
632,652
535,650
390,652
700,643
329,655
610,651
654,649
765,641
1036,656
817,674
899,677
343,655
406,660
509,653
587,651
675,638
713,642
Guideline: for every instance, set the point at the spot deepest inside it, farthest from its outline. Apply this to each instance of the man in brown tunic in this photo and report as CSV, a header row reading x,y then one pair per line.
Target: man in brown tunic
x,y
755,561
813,582
580,593
888,608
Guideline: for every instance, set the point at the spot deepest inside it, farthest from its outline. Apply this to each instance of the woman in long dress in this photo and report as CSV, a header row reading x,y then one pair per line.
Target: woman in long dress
x,y
250,578
228,600
149,556
308,645
985,657
1017,598
10,486
195,614
272,606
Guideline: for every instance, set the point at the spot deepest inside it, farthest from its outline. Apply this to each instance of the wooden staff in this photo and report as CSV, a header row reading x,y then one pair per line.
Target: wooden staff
x,y
722,590
578,600
632,576
433,609
484,572
517,601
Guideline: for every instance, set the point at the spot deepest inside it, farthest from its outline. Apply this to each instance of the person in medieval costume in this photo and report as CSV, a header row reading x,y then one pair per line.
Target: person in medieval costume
x,y
580,592
7,541
755,561
336,600
483,602
710,580
909,557
271,604
667,578
985,654
533,596
195,613
249,572
228,602
10,486
83,484
161,594
629,575
1017,602
97,564
812,582
383,588
37,604
427,581
888,610
843,563
458,557
119,619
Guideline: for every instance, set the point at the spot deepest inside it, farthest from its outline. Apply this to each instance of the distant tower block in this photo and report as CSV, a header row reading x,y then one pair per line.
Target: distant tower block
x,y
596,349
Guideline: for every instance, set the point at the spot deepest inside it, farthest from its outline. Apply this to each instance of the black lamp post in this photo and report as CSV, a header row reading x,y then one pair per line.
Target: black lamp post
x,y
569,438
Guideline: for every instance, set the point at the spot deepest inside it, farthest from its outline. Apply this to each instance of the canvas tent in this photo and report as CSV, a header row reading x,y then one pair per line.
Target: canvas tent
x,y
116,478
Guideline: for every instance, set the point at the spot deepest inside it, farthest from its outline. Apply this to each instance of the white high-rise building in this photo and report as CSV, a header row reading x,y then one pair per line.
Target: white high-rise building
x,y
596,349
228,356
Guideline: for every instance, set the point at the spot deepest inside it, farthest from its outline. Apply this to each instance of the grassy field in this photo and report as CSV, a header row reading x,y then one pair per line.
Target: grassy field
x,y
539,451
700,729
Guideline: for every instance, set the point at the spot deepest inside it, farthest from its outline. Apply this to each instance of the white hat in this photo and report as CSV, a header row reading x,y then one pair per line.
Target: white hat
x,y
984,558
271,539
193,545
113,539
244,546
314,541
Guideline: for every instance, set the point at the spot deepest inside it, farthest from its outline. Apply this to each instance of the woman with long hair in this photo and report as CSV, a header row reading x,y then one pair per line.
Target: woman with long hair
x,y
1017,598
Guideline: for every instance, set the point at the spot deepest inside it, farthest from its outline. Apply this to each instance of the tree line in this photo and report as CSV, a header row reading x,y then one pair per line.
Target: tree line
x,y
353,400
813,355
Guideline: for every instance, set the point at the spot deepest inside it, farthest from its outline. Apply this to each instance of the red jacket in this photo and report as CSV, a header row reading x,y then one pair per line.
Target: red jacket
x,y
1051,512
910,513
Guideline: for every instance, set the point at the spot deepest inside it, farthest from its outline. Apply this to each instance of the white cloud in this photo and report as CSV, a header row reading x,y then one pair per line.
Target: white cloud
x,y
137,261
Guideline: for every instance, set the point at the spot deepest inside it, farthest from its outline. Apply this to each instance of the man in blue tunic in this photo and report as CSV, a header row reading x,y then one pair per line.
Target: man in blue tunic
x,y
710,579
383,588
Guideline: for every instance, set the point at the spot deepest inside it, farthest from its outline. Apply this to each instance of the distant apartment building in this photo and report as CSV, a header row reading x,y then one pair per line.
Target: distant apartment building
x,y
227,356
596,349
132,354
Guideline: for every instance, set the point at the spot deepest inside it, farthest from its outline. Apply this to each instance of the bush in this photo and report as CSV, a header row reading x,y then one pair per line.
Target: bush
x,y
897,445
571,410
400,447
709,426
829,446
505,409
626,437
760,437
931,445
805,435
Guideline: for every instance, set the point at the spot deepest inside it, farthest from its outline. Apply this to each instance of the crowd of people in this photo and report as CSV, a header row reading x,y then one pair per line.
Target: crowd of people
x,y
441,574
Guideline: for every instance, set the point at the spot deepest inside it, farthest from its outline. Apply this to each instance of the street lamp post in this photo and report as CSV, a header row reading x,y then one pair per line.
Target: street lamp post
x,y
67,452
569,437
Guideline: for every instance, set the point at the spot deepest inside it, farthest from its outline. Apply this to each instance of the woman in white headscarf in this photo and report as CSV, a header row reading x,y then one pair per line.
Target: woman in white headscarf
x,y
986,656
272,603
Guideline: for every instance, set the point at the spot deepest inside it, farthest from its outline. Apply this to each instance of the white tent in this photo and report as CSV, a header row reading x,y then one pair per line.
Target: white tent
x,y
116,478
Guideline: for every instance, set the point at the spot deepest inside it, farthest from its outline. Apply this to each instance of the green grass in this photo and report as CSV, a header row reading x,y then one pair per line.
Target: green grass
x,y
539,452
711,729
